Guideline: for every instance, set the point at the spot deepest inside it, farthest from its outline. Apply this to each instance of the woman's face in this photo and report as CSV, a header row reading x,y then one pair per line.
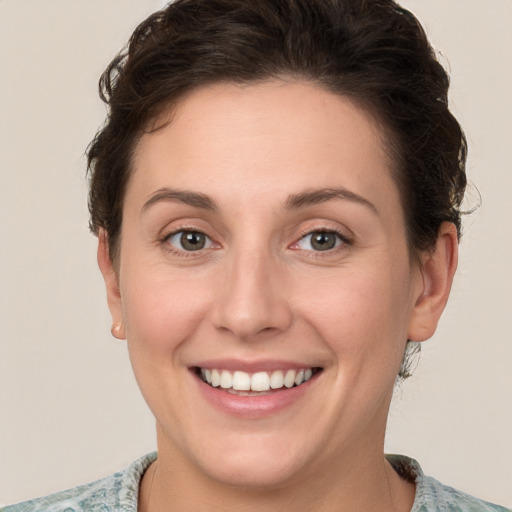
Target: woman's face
x,y
263,241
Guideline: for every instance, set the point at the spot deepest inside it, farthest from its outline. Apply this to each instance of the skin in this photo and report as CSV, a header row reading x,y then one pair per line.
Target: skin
x,y
259,290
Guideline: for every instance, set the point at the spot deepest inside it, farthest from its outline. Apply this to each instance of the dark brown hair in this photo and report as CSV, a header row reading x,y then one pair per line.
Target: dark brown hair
x,y
372,51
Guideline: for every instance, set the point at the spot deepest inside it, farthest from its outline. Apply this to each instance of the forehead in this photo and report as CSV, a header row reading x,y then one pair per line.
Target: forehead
x,y
268,138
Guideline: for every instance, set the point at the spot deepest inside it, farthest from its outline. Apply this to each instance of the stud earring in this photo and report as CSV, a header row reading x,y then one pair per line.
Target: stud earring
x,y
117,330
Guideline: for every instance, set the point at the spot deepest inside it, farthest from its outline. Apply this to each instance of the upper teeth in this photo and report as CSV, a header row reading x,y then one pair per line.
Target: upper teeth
x,y
259,381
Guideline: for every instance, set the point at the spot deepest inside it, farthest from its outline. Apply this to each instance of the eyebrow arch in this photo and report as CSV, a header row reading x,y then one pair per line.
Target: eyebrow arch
x,y
194,199
318,196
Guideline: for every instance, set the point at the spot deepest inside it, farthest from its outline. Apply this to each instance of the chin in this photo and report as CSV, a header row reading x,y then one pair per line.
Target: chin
x,y
254,471
255,461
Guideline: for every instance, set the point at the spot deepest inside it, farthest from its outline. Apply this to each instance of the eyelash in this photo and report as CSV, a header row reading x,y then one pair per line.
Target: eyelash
x,y
345,241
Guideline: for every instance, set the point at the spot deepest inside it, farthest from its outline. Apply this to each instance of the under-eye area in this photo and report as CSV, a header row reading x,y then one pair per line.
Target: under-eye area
x,y
248,384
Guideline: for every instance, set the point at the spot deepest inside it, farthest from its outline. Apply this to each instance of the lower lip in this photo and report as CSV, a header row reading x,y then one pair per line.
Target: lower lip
x,y
253,406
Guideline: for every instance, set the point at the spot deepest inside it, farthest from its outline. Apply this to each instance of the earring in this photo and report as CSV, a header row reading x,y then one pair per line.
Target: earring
x,y
117,330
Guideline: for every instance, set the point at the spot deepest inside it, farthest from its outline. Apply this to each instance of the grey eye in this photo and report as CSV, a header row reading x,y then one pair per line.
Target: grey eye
x,y
189,241
320,241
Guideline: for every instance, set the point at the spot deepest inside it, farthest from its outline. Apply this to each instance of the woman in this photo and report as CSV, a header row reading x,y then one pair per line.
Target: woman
x,y
276,195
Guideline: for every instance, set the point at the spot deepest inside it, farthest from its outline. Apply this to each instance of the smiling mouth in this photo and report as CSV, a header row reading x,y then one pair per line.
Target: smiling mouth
x,y
250,384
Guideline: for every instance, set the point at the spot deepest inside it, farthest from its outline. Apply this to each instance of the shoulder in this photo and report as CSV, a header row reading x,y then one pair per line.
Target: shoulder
x,y
116,493
433,496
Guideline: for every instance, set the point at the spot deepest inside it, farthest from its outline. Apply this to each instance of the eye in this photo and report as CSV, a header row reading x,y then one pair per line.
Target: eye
x,y
320,241
189,240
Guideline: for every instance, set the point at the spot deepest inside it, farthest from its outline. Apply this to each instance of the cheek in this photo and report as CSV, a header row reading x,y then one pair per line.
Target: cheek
x,y
361,315
161,315
161,312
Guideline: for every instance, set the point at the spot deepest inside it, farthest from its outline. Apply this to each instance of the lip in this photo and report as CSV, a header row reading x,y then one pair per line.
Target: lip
x,y
251,407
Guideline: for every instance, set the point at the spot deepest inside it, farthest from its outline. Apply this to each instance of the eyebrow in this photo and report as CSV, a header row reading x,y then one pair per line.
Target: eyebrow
x,y
318,196
194,199
294,201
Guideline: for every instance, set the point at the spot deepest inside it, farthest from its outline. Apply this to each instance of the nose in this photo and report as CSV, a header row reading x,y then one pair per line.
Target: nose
x,y
252,299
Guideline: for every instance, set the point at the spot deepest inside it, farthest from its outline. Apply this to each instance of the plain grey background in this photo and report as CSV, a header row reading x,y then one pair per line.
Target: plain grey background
x,y
70,410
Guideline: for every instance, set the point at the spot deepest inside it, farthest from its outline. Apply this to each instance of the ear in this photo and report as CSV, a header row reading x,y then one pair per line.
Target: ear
x,y
112,285
437,271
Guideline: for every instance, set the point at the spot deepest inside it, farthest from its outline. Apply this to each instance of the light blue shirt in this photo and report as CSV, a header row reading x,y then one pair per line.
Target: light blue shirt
x,y
119,493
